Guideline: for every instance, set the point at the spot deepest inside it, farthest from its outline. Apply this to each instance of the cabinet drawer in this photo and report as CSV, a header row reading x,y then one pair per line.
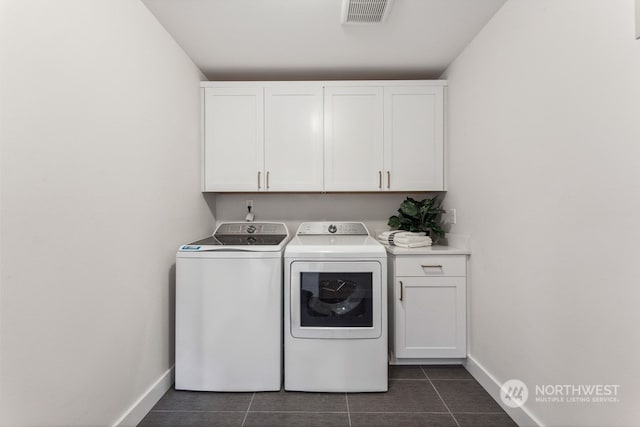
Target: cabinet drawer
x,y
430,265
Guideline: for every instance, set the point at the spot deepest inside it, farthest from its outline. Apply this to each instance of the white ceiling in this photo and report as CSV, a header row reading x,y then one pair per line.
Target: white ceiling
x,y
304,39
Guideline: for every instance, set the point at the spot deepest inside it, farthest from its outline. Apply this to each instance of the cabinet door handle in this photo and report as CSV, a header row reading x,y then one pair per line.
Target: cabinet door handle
x,y
431,266
259,186
401,289
388,179
267,180
379,179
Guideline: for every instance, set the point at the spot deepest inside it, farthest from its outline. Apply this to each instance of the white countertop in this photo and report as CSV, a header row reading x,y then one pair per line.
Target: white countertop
x,y
427,250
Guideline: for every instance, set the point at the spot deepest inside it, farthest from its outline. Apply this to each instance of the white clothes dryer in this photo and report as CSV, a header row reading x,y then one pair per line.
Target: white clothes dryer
x,y
335,309
229,309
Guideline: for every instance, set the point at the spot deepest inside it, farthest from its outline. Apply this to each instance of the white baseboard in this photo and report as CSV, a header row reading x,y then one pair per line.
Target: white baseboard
x,y
149,398
522,416
424,361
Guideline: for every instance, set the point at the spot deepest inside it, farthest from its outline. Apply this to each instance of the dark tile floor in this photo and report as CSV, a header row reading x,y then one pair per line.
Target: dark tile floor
x,y
418,396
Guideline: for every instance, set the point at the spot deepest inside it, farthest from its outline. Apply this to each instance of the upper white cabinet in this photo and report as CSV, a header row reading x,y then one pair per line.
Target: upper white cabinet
x,y
293,138
233,138
263,139
353,137
413,138
324,136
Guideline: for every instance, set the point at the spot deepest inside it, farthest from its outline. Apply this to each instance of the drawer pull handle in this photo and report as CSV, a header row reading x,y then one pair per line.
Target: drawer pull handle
x,y
432,266
267,180
401,289
259,187
388,179
379,179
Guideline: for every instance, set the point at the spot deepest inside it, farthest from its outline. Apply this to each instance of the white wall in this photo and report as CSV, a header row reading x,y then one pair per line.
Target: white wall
x,y
374,209
100,184
637,19
544,132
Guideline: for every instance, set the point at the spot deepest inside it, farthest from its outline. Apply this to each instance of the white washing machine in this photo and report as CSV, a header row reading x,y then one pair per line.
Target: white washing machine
x,y
229,309
335,310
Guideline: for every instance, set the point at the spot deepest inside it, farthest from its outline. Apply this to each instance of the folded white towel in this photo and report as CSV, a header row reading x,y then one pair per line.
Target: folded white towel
x,y
411,239
405,239
387,234
413,245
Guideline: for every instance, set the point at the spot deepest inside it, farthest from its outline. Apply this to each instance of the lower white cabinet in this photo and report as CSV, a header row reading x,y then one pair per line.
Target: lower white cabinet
x,y
427,306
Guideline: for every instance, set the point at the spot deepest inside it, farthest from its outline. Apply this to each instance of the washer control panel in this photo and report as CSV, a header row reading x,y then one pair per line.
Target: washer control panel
x,y
235,228
341,228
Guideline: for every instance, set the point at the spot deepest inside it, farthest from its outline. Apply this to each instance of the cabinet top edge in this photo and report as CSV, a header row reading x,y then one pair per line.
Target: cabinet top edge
x,y
429,250
442,83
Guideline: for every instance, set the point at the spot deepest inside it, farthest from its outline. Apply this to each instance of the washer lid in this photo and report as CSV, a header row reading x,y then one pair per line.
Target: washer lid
x,y
242,236
242,240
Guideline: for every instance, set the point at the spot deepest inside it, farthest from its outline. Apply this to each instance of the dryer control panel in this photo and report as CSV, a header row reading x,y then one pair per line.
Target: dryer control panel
x,y
336,228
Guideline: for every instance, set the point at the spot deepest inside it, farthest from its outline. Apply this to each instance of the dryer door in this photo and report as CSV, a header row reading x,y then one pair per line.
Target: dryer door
x,y
336,299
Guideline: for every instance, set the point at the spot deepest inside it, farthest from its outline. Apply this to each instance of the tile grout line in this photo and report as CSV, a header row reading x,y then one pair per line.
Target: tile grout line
x,y
438,393
246,414
315,412
427,379
297,412
415,412
346,396
198,410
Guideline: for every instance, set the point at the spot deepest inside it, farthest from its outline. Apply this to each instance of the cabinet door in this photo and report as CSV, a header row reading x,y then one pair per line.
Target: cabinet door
x,y
414,138
430,317
353,138
233,139
293,138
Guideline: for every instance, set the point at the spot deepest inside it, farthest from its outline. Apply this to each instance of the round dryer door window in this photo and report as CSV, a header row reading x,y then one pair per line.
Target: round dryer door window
x,y
337,299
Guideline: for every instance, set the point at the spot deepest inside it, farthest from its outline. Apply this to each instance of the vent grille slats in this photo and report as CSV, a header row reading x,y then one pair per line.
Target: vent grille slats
x,y
365,11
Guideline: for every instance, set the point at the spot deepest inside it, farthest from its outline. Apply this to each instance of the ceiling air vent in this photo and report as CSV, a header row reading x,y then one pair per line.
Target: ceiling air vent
x,y
365,11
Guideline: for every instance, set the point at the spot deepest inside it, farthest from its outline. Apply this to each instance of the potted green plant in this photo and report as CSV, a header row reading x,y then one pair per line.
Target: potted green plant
x,y
423,215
